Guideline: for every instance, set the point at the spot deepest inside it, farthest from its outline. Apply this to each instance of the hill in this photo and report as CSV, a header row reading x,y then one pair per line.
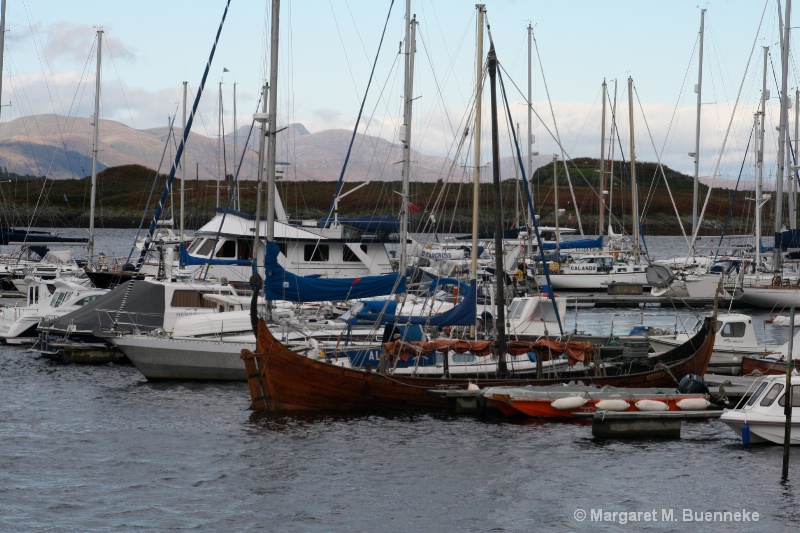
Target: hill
x,y
126,192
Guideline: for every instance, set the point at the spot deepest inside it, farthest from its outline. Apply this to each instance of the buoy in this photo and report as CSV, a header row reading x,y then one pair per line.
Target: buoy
x,y
472,386
571,402
651,405
612,405
693,404
746,435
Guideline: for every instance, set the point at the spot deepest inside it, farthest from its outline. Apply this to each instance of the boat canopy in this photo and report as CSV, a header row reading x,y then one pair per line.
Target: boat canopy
x,y
578,243
463,314
282,285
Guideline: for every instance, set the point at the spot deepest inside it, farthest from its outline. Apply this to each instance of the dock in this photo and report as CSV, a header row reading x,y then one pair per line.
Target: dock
x,y
642,424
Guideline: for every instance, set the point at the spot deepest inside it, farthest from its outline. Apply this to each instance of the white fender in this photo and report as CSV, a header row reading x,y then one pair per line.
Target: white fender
x,y
651,405
693,404
571,402
613,405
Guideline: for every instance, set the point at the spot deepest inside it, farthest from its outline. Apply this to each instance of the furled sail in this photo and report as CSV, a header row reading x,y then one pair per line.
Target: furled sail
x,y
463,314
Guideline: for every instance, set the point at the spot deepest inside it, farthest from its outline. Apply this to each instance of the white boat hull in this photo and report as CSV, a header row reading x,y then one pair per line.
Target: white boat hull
x,y
583,282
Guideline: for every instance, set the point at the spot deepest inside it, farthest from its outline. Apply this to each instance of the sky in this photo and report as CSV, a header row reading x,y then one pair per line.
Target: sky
x,y
327,48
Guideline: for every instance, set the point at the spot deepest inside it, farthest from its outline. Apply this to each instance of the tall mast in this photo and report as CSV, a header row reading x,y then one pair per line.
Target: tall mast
x,y
183,164
476,177
273,110
219,145
2,47
530,126
634,194
601,219
262,119
696,154
792,164
95,146
760,158
405,136
783,128
502,369
555,204
235,153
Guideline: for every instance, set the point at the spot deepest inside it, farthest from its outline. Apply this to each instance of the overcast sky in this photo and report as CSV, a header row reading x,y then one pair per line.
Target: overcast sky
x,y
328,46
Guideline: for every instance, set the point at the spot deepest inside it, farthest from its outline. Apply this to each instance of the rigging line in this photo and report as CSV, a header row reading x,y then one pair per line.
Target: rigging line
x,y
558,136
187,129
530,198
727,132
341,42
152,187
735,191
358,118
660,167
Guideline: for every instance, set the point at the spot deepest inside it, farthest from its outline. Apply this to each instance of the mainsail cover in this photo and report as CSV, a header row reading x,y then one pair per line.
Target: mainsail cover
x,y
575,244
464,314
282,285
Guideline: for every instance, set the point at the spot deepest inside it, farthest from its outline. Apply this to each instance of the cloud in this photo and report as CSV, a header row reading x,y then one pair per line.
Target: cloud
x,y
72,42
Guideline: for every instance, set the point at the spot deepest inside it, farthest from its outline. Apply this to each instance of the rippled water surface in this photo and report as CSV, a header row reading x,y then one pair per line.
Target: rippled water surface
x,y
101,449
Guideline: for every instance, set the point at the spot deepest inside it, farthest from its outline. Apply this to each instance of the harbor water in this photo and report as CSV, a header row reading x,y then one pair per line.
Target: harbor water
x,y
102,449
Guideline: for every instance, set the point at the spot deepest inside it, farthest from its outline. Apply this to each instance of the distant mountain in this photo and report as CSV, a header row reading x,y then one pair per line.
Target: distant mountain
x,y
60,147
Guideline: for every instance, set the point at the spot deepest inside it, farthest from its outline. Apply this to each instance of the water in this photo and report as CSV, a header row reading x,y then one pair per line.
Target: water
x,y
102,449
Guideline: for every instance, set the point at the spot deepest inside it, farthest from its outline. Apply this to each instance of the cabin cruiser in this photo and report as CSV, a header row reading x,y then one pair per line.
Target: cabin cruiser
x,y
762,419
344,248
735,339
134,306
592,272
18,323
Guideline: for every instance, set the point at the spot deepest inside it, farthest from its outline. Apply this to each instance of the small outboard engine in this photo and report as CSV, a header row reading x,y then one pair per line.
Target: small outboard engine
x,y
692,384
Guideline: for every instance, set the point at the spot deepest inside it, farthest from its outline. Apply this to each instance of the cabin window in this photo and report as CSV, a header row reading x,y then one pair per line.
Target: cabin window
x,y
770,396
87,300
517,307
185,298
734,329
227,250
350,257
206,248
316,252
59,299
757,393
463,358
245,247
795,397
195,245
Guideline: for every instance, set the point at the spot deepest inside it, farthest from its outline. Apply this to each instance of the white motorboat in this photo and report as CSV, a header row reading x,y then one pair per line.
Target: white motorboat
x,y
735,338
762,418
593,272
18,323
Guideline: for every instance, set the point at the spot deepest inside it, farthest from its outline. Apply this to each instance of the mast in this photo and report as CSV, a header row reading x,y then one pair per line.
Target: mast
x,y
405,132
235,153
273,109
502,369
530,134
183,164
783,128
696,154
614,134
760,158
2,47
95,147
601,219
792,164
634,195
219,146
476,177
555,204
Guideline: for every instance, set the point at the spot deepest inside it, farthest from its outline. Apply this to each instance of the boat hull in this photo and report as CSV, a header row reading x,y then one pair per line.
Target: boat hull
x,y
283,380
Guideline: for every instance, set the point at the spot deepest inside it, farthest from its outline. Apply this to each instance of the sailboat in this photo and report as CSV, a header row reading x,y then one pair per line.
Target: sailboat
x,y
282,379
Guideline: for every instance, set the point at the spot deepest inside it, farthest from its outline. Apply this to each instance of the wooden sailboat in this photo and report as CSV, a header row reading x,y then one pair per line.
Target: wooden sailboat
x,y
281,379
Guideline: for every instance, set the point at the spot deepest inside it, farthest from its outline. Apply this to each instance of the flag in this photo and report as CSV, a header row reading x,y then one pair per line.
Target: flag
x,y
413,208
224,70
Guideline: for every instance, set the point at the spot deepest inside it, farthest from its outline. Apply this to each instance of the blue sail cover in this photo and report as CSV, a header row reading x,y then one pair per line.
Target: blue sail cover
x,y
464,314
367,223
188,260
572,245
787,239
282,285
